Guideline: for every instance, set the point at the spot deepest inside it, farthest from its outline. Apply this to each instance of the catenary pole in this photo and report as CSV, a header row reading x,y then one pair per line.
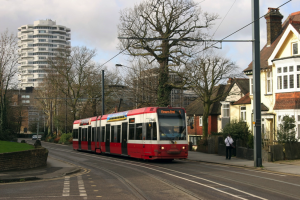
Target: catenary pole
x,y
103,92
256,84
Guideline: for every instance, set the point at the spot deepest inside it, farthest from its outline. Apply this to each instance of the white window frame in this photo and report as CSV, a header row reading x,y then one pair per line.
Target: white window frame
x,y
269,82
223,110
200,120
295,43
251,85
243,113
288,80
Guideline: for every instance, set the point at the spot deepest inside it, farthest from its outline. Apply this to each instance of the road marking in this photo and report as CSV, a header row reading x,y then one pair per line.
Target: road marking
x,y
66,190
96,190
81,188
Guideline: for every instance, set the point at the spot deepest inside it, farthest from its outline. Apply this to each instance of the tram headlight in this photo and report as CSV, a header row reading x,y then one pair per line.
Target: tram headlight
x,y
162,147
183,147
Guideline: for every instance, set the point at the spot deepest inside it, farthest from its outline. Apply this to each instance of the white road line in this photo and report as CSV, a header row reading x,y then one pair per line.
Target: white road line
x,y
82,191
66,190
205,185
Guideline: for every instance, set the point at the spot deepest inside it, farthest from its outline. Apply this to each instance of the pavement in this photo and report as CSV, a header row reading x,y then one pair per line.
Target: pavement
x,y
54,169
57,168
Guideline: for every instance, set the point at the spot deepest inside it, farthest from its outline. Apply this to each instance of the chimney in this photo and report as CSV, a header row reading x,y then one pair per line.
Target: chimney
x,y
230,81
274,24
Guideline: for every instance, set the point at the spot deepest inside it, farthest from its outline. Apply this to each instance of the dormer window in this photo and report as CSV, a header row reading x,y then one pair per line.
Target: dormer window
x,y
295,48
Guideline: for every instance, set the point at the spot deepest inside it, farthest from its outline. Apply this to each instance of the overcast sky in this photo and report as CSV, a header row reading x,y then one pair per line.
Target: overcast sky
x,y
94,23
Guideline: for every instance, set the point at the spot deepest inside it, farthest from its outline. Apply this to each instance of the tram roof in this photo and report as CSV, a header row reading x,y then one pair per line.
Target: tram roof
x,y
138,111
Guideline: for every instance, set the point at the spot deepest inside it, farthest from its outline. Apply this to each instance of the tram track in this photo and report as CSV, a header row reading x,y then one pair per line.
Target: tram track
x,y
134,189
212,185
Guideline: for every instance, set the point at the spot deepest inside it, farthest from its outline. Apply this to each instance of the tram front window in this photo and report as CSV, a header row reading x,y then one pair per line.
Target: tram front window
x,y
172,126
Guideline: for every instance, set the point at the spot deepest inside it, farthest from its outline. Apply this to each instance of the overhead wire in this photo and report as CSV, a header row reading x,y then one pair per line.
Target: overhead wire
x,y
223,18
238,30
213,34
154,6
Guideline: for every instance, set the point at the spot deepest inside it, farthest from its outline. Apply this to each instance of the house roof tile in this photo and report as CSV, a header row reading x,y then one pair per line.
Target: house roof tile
x,y
265,53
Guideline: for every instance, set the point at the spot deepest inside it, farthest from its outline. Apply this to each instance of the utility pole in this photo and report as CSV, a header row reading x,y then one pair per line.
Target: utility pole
x,y
66,113
102,92
38,126
256,84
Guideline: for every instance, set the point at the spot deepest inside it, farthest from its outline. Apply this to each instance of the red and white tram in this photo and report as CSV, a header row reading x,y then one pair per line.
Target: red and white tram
x,y
146,133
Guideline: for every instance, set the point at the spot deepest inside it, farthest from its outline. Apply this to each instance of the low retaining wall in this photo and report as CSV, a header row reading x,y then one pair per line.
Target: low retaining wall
x,y
23,159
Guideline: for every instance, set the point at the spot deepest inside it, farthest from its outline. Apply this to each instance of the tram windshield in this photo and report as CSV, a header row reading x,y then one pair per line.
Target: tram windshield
x,y
171,124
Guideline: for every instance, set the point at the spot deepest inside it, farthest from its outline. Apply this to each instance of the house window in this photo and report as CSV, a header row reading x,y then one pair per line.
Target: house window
x,y
285,82
269,82
200,120
295,48
243,113
251,86
291,81
298,118
279,118
225,110
25,96
279,82
279,70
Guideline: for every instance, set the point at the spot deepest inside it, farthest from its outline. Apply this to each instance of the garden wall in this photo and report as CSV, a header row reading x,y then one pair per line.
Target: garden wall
x,y
23,159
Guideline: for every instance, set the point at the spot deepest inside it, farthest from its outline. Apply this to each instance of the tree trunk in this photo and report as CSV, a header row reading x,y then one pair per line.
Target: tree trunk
x,y
164,88
205,119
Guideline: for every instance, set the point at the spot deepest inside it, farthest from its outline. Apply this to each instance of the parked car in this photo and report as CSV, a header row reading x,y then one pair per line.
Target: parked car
x,y
34,137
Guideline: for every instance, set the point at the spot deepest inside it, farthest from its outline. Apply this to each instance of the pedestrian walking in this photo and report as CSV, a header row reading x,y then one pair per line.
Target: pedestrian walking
x,y
229,144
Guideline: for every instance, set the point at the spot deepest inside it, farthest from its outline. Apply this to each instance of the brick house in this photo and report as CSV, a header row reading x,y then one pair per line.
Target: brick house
x,y
280,72
220,112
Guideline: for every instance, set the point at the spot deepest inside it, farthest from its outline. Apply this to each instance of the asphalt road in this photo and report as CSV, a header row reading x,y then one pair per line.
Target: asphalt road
x,y
113,177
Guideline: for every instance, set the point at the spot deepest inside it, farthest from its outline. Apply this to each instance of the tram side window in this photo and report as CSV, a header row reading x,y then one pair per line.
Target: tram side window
x,y
75,133
93,133
139,131
154,131
112,136
148,131
131,132
102,133
118,133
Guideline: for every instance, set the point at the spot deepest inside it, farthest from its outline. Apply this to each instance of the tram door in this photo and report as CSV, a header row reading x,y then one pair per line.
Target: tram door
x,y
124,138
89,137
107,138
79,138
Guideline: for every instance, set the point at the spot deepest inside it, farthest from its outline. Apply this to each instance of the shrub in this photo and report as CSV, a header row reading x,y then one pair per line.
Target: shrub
x,y
56,140
286,131
65,138
239,131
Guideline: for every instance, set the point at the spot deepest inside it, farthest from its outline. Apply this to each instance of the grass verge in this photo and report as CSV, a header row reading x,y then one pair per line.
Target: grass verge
x,y
6,147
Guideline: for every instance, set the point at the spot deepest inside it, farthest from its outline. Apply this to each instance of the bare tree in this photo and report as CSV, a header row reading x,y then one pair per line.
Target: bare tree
x,y
163,20
141,79
203,75
69,73
8,68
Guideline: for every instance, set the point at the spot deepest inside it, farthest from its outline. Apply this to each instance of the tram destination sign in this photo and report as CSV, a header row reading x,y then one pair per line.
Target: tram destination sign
x,y
170,111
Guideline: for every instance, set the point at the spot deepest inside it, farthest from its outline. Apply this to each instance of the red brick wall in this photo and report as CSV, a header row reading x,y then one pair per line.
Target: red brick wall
x,y
289,100
197,130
